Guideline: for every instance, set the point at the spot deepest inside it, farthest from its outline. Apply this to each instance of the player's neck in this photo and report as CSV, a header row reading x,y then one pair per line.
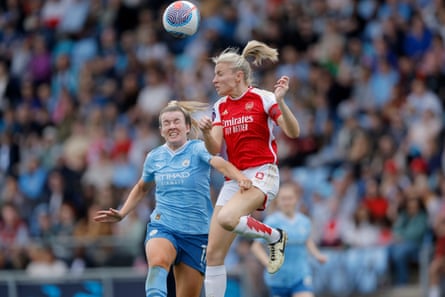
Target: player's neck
x,y
175,146
239,92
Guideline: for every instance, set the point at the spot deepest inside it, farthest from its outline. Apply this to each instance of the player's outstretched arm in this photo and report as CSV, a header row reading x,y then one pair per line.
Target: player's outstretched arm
x,y
315,252
112,215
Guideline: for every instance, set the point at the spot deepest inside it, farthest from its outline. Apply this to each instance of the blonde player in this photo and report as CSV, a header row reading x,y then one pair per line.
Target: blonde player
x,y
244,118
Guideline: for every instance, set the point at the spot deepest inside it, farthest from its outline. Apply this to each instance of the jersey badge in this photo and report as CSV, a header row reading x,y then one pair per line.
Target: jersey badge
x,y
186,163
259,175
225,112
249,106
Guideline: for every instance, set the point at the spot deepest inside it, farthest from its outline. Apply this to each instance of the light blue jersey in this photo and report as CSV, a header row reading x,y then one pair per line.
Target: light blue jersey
x,y
182,180
296,264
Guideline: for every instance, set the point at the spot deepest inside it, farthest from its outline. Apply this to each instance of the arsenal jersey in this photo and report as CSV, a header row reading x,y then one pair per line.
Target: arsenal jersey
x,y
248,124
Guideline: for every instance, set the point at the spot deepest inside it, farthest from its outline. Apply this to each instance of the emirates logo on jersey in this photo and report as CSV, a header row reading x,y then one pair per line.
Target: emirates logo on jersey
x,y
237,125
248,106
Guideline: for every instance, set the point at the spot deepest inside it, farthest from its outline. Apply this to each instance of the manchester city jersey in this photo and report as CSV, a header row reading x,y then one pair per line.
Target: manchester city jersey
x,y
182,180
296,264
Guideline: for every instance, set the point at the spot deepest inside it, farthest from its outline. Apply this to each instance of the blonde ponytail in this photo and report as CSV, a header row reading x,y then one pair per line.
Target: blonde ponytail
x,y
258,50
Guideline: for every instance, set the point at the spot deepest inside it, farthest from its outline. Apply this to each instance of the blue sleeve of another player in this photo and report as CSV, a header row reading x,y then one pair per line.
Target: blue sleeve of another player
x,y
148,169
202,152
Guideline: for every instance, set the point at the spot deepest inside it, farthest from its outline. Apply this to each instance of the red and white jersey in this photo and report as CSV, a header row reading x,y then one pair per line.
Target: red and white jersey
x,y
248,124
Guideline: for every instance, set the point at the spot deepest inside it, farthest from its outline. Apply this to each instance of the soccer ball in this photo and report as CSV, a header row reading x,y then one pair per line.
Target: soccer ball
x,y
181,19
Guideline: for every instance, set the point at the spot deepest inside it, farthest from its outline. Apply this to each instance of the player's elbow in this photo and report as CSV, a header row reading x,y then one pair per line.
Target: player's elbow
x,y
294,133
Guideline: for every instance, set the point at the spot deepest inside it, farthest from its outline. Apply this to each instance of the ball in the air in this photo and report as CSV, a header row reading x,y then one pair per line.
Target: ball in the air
x,y
181,19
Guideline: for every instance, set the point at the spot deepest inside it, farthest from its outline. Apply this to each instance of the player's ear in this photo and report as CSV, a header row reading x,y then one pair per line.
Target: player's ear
x,y
239,76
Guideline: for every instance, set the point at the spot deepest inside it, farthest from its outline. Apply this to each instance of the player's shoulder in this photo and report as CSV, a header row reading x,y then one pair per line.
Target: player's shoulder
x,y
262,93
195,142
157,152
195,145
220,101
158,149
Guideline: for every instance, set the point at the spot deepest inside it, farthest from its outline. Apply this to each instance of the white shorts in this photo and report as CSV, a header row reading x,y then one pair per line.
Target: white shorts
x,y
265,177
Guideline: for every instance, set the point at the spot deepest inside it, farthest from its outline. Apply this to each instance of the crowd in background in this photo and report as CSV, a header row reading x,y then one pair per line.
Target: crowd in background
x,y
82,82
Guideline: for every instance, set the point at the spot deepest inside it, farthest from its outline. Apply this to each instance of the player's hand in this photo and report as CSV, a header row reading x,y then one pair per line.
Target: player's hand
x,y
322,259
108,216
281,87
205,124
244,184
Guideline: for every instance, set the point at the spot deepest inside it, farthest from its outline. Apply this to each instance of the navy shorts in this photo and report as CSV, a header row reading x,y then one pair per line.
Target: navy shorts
x,y
190,248
304,285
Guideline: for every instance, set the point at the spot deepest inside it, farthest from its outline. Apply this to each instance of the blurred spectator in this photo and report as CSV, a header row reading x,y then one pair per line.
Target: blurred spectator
x,y
437,265
100,173
87,233
10,156
320,213
14,236
125,173
418,38
66,219
419,100
52,13
144,139
74,17
56,194
40,61
10,193
149,47
9,92
359,231
43,263
376,204
42,229
409,230
156,92
132,231
63,78
382,82
32,181
127,93
422,131
52,147
76,146
121,141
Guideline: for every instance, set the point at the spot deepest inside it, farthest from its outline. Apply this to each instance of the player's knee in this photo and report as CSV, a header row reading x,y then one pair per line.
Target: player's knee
x,y
159,260
227,221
